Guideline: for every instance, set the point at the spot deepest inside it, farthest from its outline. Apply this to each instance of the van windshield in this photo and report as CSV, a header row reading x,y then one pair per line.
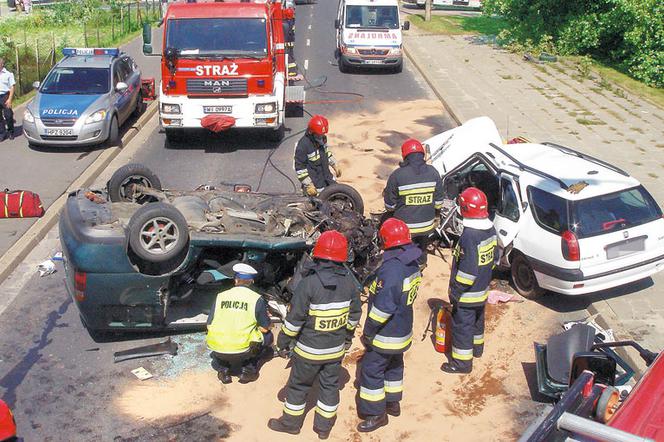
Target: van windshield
x,y
373,17
218,37
615,211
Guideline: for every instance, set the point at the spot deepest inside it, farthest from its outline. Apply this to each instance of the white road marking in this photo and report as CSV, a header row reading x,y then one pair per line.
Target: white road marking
x,y
308,42
309,27
306,65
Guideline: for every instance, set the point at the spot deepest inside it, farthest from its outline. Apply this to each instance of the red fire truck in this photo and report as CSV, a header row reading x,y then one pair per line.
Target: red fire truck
x,y
224,59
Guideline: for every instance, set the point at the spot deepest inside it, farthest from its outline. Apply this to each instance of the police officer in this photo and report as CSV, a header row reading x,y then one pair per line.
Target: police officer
x,y
319,327
239,327
313,158
474,259
414,193
388,330
7,84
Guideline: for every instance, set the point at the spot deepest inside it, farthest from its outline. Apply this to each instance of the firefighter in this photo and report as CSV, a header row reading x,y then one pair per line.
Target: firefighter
x,y
474,259
319,327
239,327
414,194
388,330
313,158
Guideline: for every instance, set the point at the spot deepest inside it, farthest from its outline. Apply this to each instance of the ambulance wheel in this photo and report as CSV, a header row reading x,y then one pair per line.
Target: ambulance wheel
x,y
158,232
113,133
344,195
343,67
121,185
398,68
523,277
140,105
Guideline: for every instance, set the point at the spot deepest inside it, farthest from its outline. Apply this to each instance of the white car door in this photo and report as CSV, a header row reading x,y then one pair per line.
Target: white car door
x,y
509,212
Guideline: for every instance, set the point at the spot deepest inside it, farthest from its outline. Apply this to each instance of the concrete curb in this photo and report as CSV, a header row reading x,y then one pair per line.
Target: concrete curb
x,y
20,249
431,83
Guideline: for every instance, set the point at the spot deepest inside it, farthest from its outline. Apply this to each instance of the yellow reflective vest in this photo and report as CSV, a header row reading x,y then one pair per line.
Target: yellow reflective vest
x,y
234,326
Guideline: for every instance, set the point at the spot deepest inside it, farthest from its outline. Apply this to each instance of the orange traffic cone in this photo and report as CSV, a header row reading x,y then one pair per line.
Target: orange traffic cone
x,y
443,330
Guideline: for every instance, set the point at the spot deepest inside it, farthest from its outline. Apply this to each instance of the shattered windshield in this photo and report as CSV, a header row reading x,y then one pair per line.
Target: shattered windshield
x,y
380,17
223,37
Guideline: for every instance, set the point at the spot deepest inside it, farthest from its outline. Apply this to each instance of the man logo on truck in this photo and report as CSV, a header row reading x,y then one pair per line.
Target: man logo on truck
x,y
216,70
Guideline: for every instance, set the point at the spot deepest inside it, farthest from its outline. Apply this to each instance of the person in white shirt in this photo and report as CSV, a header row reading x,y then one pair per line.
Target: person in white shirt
x,y
7,83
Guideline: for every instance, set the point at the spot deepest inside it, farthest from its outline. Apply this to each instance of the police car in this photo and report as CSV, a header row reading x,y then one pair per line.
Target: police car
x,y
84,99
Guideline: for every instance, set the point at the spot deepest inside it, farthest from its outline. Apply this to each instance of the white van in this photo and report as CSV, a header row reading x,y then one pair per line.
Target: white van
x,y
369,34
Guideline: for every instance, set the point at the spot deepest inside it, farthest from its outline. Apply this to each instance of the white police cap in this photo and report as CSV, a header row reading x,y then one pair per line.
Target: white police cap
x,y
244,271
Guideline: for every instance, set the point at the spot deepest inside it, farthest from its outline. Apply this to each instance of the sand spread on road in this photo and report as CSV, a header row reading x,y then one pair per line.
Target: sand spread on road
x,y
492,403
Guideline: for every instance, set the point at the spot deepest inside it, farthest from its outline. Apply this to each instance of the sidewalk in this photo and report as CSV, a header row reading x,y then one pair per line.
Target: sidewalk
x,y
50,171
551,102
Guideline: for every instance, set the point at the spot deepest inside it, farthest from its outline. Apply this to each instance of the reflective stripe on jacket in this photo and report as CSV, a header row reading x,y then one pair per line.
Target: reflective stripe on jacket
x,y
389,325
234,326
474,259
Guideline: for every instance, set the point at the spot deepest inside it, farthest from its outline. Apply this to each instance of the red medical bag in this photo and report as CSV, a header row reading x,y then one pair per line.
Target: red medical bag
x,y
20,204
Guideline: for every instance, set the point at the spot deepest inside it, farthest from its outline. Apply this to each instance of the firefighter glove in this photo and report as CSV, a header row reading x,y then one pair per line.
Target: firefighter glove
x,y
337,170
310,190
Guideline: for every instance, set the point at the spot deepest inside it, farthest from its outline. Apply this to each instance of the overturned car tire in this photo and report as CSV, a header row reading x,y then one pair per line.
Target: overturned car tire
x,y
120,186
158,233
344,194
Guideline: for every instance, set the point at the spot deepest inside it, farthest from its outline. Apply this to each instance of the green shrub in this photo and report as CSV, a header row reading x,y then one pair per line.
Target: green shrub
x,y
626,33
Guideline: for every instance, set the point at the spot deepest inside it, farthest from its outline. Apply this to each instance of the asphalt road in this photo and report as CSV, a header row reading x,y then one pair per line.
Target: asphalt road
x,y
58,380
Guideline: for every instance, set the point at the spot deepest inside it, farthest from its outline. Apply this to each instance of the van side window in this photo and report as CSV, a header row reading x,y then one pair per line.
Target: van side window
x,y
508,205
550,211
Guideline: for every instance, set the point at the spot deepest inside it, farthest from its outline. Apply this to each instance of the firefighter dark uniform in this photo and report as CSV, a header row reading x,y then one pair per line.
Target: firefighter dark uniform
x,y
388,330
414,192
313,158
474,259
325,309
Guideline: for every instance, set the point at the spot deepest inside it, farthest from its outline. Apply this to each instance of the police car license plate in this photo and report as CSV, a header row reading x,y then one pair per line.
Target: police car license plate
x,y
59,132
217,109
373,61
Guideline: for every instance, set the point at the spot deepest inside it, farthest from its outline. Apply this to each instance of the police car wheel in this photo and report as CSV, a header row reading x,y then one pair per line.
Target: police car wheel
x,y
158,232
398,69
113,132
140,105
523,278
343,67
344,195
121,185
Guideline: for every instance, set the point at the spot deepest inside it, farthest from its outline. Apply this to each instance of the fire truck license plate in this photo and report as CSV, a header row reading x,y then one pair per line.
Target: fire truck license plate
x,y
217,109
59,132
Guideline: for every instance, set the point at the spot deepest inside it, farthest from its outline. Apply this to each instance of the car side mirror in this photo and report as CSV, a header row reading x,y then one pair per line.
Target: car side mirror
x,y
147,34
405,26
600,364
337,24
36,84
121,86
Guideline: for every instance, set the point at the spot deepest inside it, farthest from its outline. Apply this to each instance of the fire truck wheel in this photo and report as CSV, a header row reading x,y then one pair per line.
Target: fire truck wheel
x,y
278,134
174,135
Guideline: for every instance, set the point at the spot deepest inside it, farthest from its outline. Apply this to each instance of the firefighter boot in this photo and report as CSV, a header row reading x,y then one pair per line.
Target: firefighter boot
x,y
322,435
280,426
372,423
393,408
451,367
224,376
248,374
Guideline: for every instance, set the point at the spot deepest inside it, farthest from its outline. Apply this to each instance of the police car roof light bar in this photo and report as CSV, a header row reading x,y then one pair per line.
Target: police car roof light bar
x,y
68,52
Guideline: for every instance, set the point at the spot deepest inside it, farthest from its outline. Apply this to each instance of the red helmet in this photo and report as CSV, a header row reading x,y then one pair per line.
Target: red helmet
x,y
394,232
7,423
473,203
409,146
318,125
331,245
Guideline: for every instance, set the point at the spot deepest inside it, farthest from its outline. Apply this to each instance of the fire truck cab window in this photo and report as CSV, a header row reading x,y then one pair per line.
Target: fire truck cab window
x,y
218,36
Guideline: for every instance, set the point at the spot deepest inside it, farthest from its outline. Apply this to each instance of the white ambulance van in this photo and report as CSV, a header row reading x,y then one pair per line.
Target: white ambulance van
x,y
369,34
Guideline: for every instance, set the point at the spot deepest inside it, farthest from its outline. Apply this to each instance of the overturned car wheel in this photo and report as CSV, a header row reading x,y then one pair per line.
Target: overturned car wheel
x,y
122,184
343,195
158,232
